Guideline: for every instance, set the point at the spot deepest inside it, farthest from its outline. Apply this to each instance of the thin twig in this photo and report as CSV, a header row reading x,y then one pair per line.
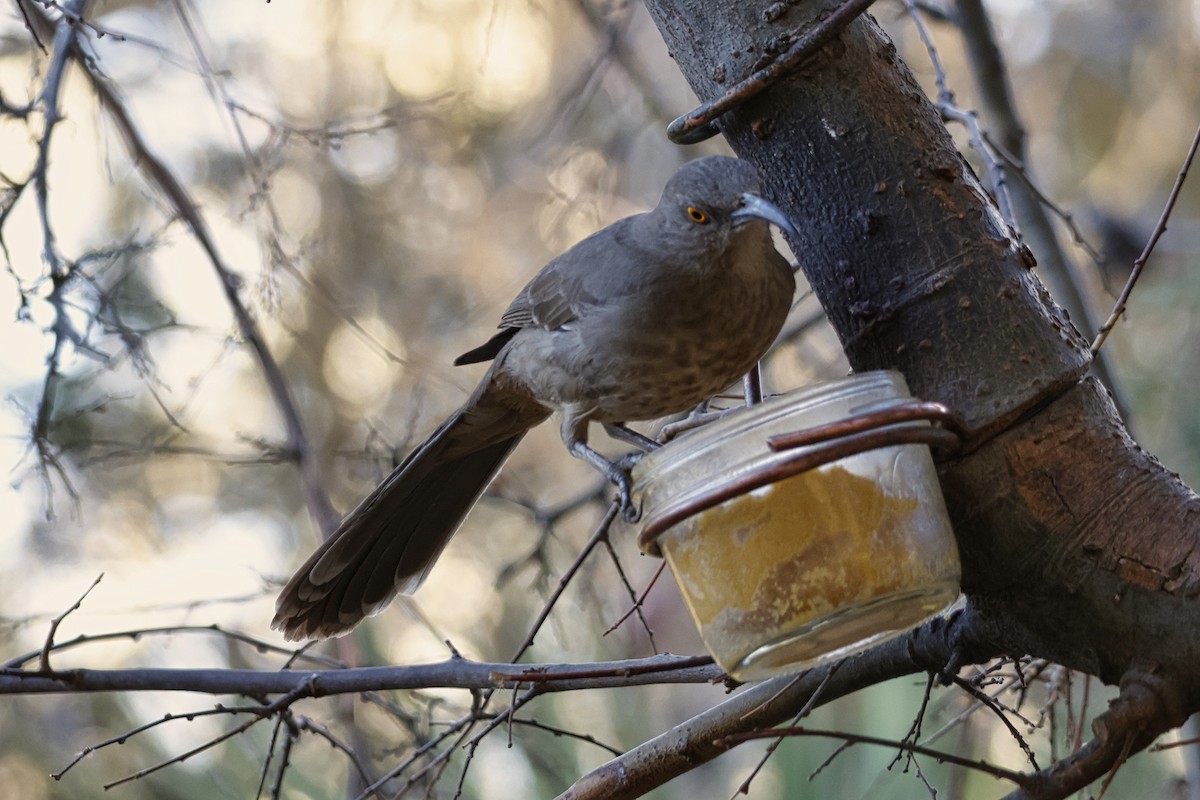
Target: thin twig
x,y
285,757
1140,262
597,537
136,634
312,726
637,605
271,747
950,110
184,206
48,645
1019,679
125,736
914,731
566,733
999,712
801,714
259,176
64,43
640,601
489,726
72,13
1020,779
1067,217
454,730
265,712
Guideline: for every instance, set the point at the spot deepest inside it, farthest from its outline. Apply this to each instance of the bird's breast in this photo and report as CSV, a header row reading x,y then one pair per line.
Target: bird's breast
x,y
659,352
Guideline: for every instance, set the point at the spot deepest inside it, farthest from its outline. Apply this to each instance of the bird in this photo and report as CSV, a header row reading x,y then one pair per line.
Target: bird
x,y
648,317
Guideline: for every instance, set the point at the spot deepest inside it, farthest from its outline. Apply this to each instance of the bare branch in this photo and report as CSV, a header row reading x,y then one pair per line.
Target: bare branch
x,y
639,601
265,712
15,664
633,597
125,736
600,534
1159,229
744,788
950,110
182,204
455,673
999,712
312,726
855,738
1147,706
1029,202
48,645
705,736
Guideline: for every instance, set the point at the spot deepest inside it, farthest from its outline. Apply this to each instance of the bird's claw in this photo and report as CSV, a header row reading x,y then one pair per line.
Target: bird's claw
x,y
628,461
629,511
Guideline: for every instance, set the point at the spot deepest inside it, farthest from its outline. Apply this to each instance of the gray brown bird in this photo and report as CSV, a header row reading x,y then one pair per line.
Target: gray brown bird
x,y
648,317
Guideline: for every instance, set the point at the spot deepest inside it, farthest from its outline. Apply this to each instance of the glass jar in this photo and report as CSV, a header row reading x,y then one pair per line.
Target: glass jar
x,y
783,568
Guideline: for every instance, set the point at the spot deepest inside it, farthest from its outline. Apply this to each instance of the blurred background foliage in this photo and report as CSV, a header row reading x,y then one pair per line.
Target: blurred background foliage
x,y
383,176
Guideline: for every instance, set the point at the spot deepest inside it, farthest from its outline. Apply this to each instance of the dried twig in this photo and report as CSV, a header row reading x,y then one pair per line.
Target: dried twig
x,y
950,110
136,634
184,206
48,645
1159,229
804,711
454,673
260,713
854,738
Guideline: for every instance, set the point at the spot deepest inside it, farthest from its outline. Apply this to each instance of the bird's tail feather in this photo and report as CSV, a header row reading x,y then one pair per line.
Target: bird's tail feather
x,y
389,542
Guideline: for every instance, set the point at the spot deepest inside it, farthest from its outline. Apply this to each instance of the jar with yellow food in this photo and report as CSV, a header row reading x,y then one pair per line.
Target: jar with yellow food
x,y
813,566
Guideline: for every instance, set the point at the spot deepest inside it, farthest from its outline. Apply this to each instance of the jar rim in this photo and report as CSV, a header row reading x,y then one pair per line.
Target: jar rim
x,y
715,464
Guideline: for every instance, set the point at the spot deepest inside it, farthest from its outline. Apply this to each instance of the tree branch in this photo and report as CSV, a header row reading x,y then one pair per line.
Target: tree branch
x,y
907,747
180,200
932,647
1159,229
1029,206
1147,706
454,673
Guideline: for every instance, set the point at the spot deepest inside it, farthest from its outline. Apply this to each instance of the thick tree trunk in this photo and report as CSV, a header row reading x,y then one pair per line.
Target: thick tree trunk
x,y
1077,546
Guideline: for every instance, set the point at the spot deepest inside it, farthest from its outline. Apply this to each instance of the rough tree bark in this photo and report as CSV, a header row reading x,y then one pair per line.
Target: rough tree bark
x,y
1077,545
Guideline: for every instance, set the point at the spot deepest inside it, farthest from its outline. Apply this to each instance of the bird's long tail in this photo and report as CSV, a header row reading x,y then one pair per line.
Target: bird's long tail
x,y
389,543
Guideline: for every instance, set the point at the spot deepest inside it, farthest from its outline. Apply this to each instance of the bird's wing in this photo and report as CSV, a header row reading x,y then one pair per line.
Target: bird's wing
x,y
592,273
595,272
550,301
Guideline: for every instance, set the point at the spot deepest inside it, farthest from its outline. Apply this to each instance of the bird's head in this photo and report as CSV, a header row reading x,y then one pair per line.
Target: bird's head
x,y
710,198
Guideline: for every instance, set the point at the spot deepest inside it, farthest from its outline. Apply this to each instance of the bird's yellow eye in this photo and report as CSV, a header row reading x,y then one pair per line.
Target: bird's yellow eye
x,y
697,215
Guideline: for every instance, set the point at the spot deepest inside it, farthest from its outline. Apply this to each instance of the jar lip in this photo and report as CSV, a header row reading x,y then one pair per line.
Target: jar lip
x,y
883,386
889,383
731,456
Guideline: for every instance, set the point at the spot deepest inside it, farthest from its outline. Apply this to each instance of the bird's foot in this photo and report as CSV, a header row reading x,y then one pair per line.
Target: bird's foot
x,y
627,462
629,511
696,419
617,472
623,433
623,480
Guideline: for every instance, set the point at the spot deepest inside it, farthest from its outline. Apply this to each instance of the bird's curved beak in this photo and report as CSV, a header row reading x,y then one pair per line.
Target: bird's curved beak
x,y
754,207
